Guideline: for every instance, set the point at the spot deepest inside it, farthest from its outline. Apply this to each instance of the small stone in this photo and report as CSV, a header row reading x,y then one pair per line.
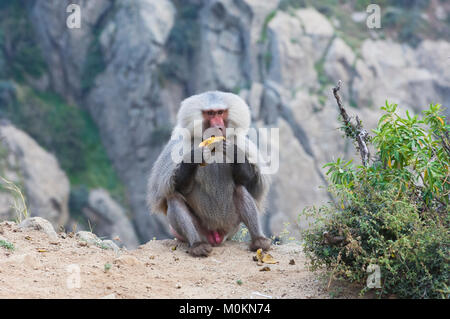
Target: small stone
x,y
87,237
40,224
292,262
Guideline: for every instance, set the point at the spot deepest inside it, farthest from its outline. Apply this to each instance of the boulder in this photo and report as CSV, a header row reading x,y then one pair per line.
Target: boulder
x,y
45,186
109,219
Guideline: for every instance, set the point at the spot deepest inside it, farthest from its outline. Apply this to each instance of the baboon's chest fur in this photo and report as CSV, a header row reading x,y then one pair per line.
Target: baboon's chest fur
x,y
212,194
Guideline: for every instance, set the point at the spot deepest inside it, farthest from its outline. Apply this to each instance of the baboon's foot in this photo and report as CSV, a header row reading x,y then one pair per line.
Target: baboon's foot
x,y
200,249
260,242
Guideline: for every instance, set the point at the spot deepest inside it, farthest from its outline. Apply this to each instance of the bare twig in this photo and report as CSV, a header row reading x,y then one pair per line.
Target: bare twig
x,y
361,139
344,114
358,133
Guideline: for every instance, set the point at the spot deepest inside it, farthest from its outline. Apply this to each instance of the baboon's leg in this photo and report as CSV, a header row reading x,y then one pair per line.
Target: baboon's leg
x,y
185,225
249,214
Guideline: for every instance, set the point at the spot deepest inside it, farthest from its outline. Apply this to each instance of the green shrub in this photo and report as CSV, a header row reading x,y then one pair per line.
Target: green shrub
x,y
393,213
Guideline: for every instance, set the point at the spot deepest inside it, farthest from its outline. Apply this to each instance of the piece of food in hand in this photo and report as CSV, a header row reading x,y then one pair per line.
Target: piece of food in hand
x,y
211,140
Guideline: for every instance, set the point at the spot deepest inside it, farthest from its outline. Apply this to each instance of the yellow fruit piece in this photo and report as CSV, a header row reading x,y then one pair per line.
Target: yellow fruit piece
x,y
259,254
441,120
389,163
265,258
268,259
211,140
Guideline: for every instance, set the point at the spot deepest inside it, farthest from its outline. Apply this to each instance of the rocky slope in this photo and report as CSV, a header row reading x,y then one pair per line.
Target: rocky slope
x,y
132,62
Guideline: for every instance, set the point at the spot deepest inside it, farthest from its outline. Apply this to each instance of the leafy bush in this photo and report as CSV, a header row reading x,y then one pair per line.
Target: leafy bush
x,y
393,213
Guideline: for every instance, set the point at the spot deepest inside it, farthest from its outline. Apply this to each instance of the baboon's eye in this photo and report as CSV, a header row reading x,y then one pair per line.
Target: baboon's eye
x,y
210,113
220,112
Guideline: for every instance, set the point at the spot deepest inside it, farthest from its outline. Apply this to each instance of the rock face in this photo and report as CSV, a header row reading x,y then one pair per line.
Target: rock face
x,y
125,100
108,218
414,81
67,51
45,185
283,63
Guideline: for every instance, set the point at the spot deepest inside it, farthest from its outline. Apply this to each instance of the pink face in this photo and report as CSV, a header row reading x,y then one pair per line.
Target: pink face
x,y
215,119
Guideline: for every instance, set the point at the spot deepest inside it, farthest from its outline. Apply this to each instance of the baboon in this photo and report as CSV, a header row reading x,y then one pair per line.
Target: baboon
x,y
206,199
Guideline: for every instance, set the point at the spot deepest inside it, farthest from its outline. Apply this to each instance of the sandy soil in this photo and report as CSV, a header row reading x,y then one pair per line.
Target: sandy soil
x,y
41,268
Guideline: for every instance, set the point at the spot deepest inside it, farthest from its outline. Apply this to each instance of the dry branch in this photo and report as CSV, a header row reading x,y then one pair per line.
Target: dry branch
x,y
356,132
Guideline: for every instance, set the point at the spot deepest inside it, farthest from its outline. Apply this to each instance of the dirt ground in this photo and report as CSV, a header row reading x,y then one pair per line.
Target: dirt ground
x,y
38,267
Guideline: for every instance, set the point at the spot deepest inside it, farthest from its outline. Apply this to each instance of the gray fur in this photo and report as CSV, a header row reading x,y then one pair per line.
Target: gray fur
x,y
211,197
210,204
160,183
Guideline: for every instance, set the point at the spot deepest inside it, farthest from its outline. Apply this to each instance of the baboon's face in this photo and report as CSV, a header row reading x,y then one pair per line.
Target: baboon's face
x,y
216,119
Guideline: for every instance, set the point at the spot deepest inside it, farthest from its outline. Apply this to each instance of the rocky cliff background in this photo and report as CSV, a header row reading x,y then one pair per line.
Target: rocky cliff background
x,y
85,112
